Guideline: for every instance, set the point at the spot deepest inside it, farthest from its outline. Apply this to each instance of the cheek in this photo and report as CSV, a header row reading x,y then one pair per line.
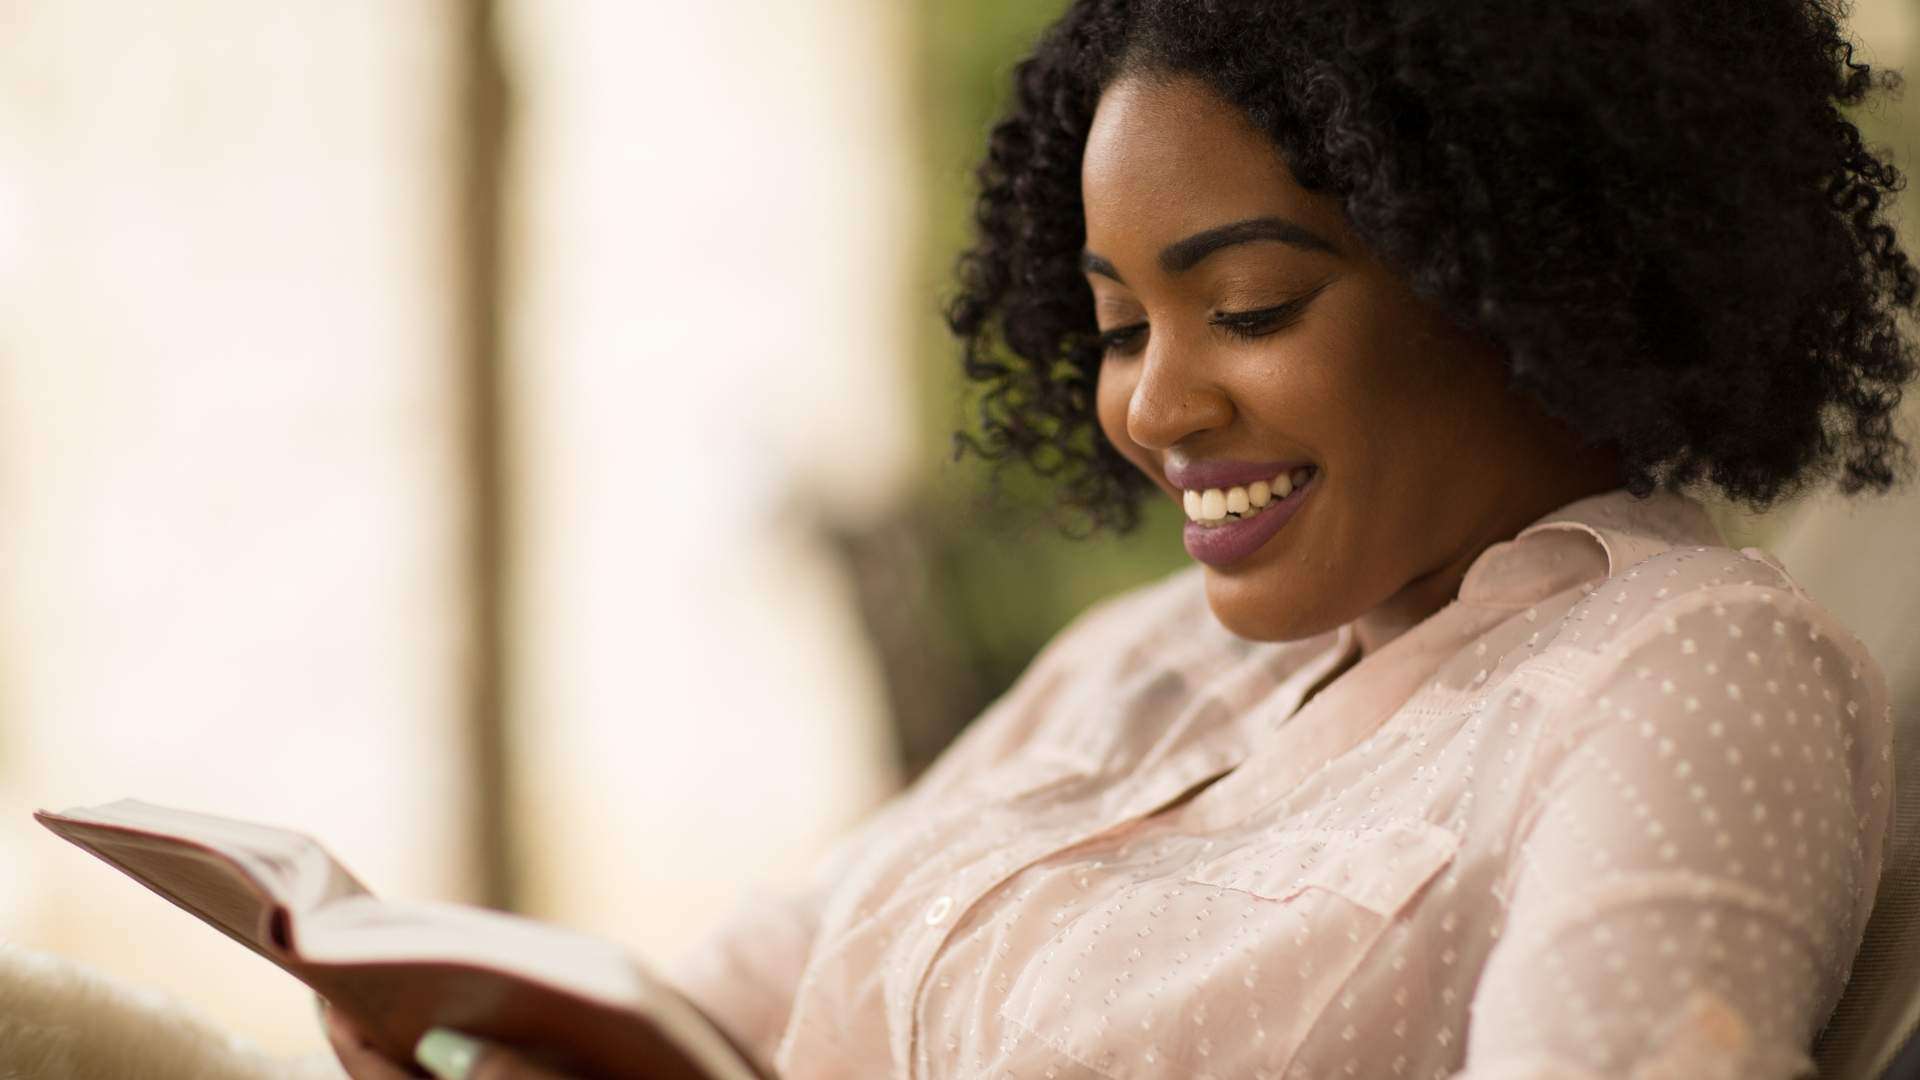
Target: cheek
x,y
1426,407
1415,446
1316,394
1372,385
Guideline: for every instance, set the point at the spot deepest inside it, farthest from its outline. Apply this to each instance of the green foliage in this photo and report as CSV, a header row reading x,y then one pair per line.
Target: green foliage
x,y
1003,577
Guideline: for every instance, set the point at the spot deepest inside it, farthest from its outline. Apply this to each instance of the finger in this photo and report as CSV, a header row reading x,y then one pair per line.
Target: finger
x,y
361,1061
451,1055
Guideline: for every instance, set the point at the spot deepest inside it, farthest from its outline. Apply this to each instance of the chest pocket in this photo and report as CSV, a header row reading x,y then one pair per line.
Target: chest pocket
x,y
1377,869
1225,967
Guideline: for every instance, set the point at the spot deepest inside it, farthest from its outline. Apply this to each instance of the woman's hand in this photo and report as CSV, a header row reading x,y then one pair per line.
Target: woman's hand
x,y
446,1054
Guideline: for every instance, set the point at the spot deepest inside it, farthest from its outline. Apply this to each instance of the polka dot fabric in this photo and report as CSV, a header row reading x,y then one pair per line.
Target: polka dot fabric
x,y
1618,810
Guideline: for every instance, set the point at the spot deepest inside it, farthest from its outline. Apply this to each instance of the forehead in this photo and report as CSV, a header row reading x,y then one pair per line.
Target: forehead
x,y
1169,157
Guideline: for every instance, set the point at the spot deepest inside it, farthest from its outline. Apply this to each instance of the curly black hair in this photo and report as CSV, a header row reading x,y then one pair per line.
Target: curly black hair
x,y
1656,209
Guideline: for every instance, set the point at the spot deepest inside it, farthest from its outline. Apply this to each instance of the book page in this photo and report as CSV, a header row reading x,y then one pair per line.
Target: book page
x,y
368,930
234,875
203,883
399,968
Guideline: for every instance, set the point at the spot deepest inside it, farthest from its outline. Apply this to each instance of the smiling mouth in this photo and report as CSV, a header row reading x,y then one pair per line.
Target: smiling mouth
x,y
1216,507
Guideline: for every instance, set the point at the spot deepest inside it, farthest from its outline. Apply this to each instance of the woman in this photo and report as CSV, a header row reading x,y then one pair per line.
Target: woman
x,y
1469,748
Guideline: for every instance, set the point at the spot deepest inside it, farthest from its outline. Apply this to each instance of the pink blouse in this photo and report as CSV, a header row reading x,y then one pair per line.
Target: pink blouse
x,y
1617,810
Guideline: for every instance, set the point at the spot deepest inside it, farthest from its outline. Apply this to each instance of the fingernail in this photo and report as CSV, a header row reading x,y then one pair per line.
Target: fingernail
x,y
446,1053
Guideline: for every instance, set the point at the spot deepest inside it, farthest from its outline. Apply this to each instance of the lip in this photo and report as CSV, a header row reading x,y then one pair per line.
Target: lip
x,y
1224,545
1201,475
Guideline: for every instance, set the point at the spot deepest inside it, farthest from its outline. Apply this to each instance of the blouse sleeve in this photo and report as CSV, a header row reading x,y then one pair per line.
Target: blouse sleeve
x,y
1689,892
743,974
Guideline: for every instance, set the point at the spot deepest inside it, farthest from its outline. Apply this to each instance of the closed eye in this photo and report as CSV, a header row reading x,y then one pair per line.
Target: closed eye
x,y
1116,341
1260,323
1247,325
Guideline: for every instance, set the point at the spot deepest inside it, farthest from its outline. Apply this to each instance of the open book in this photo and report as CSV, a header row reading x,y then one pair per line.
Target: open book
x,y
570,1001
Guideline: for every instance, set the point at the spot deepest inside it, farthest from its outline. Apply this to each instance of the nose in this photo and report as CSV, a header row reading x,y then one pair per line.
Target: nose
x,y
1174,396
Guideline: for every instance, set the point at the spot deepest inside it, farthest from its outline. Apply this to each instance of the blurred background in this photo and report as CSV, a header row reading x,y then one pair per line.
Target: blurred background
x,y
510,442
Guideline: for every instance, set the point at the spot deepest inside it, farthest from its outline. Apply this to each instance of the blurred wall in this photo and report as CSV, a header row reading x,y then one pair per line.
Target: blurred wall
x,y
229,498
706,360
235,479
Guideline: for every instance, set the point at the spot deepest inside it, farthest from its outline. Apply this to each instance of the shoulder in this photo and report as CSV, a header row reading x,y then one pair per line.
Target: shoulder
x,y
1709,682
1092,659
1167,609
1712,629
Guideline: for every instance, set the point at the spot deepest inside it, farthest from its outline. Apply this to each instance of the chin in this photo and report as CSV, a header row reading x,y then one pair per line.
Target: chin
x,y
1257,610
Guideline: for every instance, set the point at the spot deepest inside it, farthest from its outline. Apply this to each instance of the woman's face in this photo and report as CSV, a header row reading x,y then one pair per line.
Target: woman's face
x,y
1251,336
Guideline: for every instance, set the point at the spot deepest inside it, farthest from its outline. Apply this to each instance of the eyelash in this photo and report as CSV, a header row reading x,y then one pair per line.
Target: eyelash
x,y
1245,325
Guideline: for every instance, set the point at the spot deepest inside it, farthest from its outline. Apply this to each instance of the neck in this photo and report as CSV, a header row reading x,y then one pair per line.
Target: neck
x,y
1438,587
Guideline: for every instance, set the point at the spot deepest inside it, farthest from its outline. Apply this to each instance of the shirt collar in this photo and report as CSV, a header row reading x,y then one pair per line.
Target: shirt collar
x,y
1591,538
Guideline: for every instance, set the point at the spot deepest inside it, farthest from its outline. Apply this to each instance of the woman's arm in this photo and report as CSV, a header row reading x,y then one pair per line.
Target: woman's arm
x,y
1689,895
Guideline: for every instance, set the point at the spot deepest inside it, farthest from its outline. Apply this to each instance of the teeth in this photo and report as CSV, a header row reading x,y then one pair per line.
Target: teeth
x,y
1211,507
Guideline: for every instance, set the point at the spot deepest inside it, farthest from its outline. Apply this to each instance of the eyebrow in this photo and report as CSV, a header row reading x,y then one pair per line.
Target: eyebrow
x,y
1184,255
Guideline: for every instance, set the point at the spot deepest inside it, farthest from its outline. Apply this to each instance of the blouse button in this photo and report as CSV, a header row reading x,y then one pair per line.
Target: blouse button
x,y
938,910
